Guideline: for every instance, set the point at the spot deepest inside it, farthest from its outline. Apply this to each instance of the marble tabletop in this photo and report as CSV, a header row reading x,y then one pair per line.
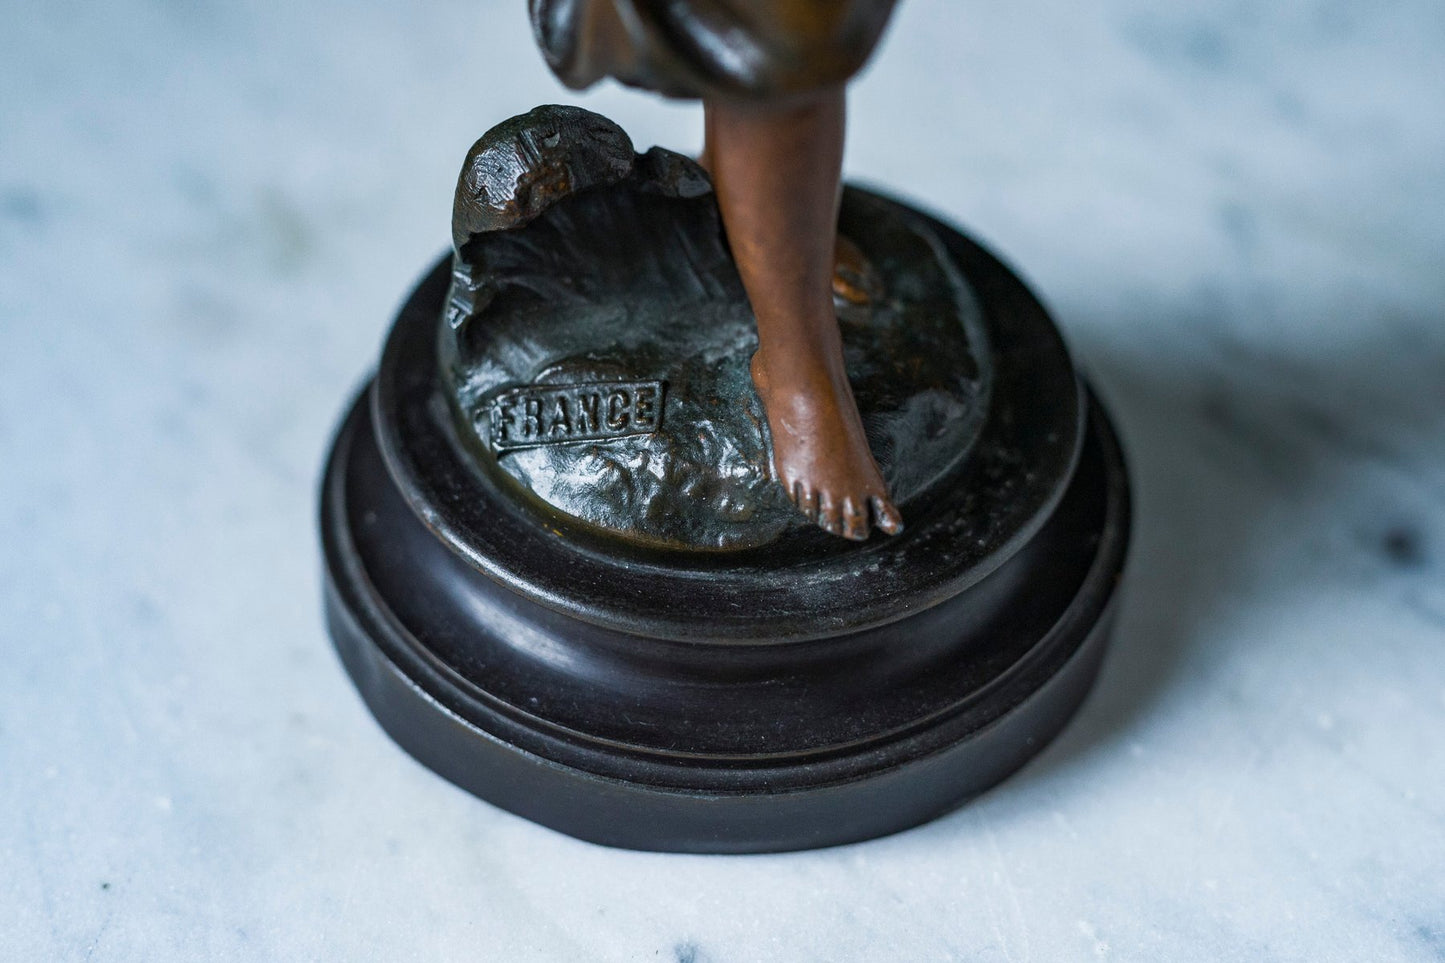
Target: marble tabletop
x,y
208,213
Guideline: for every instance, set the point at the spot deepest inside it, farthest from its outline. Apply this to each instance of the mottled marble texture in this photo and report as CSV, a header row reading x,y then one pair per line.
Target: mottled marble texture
x,y
207,214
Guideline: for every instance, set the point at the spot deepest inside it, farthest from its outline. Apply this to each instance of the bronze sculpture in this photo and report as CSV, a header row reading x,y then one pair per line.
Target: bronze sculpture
x,y
770,74
560,568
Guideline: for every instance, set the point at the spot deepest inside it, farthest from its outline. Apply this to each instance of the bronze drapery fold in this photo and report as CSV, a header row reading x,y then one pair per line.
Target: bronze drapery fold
x,y
710,49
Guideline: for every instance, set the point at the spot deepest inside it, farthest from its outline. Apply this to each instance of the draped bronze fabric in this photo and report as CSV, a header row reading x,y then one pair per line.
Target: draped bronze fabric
x,y
711,49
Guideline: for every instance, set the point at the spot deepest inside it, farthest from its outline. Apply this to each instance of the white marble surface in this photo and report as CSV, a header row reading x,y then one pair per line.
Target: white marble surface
x,y
207,214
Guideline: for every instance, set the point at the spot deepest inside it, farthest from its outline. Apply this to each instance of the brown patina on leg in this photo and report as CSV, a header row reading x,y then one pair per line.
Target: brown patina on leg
x,y
777,169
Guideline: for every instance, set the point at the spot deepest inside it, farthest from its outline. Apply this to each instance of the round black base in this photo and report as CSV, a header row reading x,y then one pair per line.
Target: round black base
x,y
805,694
997,728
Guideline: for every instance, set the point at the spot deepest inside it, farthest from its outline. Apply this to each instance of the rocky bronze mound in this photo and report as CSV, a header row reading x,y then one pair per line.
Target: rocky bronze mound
x,y
596,339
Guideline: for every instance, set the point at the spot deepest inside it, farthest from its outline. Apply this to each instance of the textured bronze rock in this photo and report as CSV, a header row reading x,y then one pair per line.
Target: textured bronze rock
x,y
619,272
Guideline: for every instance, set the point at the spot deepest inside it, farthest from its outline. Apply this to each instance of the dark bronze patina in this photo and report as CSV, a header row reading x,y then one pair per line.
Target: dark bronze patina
x,y
579,263
770,74
566,565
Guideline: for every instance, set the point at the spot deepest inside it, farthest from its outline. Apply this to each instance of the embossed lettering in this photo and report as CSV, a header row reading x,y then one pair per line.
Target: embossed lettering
x,y
617,405
587,405
506,408
644,408
561,419
531,418
558,414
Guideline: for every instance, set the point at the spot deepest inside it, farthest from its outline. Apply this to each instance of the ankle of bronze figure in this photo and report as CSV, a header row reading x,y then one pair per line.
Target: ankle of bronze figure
x,y
778,105
799,363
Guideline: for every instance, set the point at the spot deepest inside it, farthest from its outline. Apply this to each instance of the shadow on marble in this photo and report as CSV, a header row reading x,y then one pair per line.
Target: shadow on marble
x,y
1259,477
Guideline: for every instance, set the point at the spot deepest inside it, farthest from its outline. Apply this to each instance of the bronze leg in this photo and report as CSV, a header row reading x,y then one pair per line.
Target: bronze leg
x,y
777,169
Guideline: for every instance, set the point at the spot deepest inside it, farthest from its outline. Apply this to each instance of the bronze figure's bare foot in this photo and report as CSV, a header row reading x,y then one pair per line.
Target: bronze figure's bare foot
x,y
820,454
777,169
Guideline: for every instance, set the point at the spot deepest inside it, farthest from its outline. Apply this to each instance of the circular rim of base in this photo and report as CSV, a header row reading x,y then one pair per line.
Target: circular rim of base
x,y
948,545
893,788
